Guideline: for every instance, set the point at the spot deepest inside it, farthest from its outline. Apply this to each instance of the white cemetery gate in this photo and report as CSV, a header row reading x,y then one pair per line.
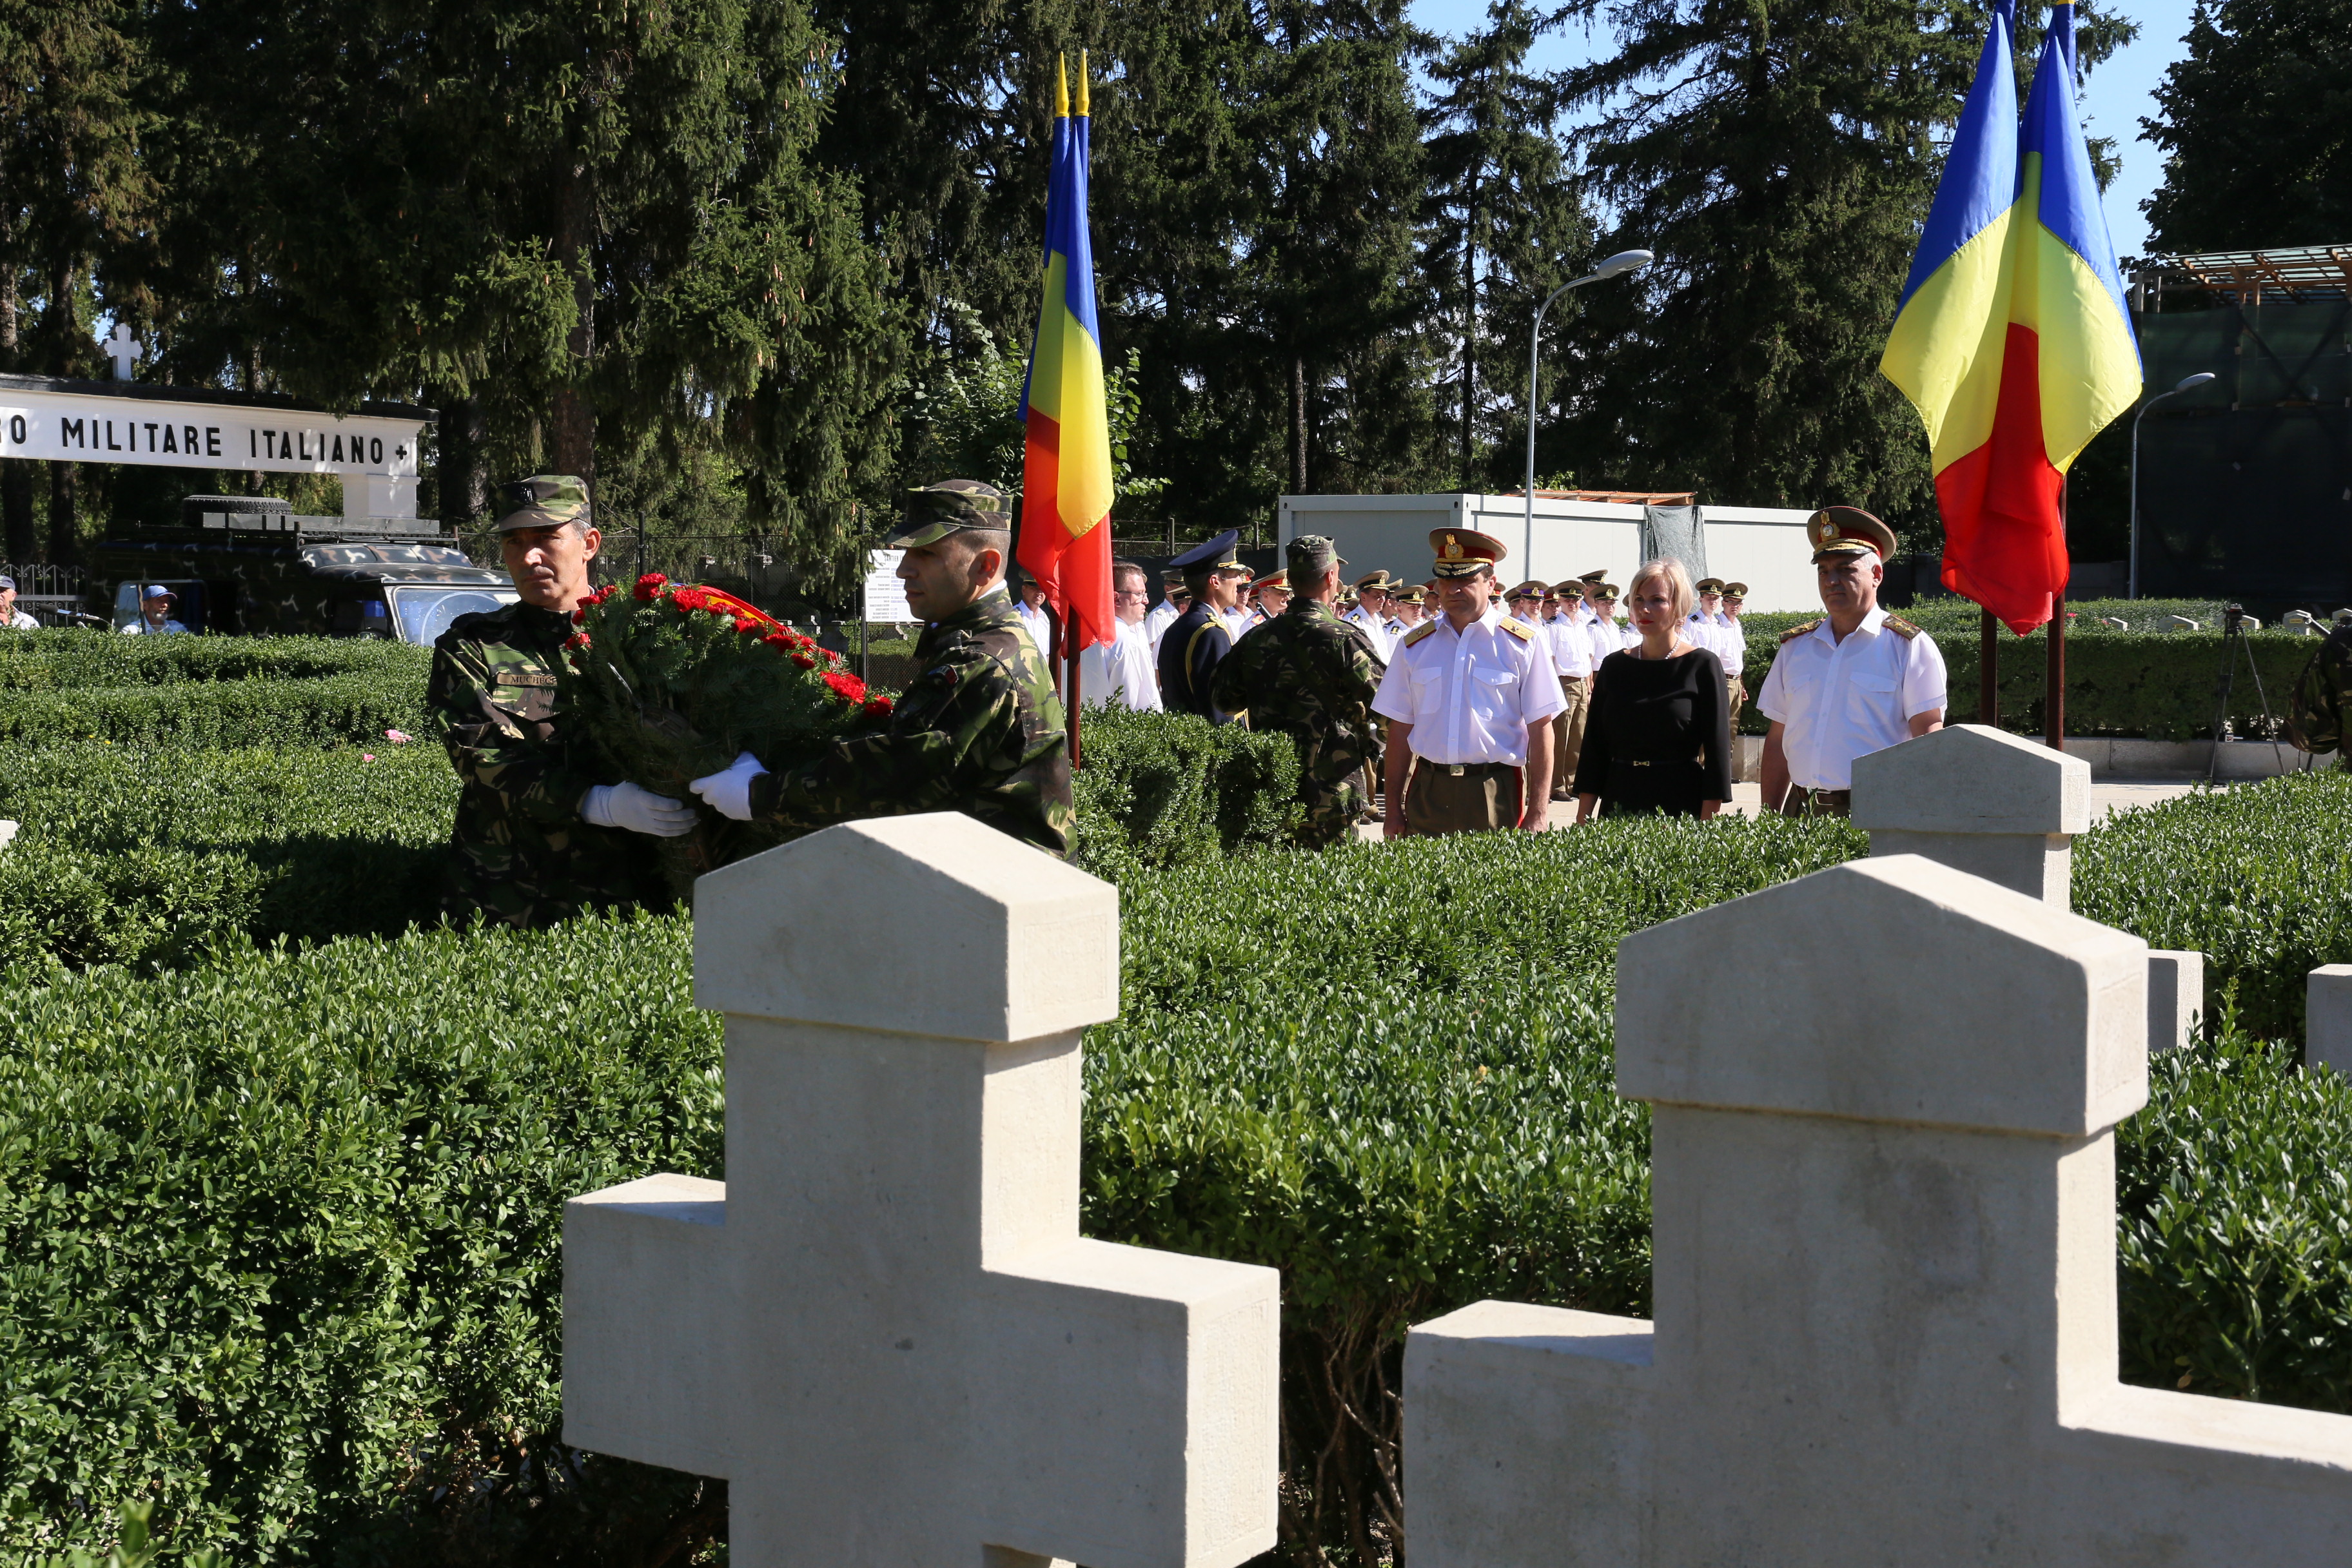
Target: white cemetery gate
x,y
1885,1269
884,1328
2007,809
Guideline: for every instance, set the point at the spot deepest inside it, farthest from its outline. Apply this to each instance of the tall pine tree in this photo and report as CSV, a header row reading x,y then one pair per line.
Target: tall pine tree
x,y
1504,225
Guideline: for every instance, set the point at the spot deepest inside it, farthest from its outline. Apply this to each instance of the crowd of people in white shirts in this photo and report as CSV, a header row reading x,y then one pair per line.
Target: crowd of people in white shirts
x,y
1578,619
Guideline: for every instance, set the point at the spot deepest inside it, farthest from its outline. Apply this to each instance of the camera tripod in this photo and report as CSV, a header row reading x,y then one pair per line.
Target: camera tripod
x,y
2233,644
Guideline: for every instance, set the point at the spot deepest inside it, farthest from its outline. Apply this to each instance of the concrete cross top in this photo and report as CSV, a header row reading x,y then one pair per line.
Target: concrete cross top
x,y
884,1328
123,350
1883,1240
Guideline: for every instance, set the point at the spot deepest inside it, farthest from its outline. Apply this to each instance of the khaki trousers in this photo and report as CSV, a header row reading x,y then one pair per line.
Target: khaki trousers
x,y
1736,694
1567,733
1817,803
1476,798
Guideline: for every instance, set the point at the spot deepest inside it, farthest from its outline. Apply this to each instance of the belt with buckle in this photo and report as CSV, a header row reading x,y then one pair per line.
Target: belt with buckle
x,y
1455,770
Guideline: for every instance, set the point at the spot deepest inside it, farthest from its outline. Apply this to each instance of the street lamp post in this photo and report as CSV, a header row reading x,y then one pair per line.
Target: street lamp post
x,y
1624,261
2186,383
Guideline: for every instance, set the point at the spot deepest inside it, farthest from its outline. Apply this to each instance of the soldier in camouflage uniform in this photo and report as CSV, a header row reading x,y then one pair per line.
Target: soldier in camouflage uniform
x,y
539,834
979,730
1310,675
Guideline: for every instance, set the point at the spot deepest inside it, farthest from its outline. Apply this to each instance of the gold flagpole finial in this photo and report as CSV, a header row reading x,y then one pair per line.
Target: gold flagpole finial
x,y
1082,81
1061,87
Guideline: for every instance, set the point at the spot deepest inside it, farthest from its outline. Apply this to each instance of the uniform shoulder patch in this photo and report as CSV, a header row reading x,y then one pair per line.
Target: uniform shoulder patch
x,y
1519,628
1426,629
1901,627
1794,633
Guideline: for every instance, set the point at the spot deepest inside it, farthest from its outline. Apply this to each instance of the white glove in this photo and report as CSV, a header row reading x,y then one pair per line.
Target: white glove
x,y
730,794
639,809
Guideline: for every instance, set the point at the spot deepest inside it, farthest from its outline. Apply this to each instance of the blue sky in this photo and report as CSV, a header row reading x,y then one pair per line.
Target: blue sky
x,y
2118,95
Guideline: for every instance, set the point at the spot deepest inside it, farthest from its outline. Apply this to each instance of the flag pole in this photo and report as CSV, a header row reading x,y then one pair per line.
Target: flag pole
x,y
2053,675
1070,653
1988,675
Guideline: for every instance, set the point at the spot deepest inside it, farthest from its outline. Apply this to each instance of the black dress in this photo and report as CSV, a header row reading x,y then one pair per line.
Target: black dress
x,y
1659,736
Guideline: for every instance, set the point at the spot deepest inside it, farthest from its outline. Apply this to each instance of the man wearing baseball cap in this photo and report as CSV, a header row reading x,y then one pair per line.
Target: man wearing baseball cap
x,y
543,830
155,618
979,730
1855,682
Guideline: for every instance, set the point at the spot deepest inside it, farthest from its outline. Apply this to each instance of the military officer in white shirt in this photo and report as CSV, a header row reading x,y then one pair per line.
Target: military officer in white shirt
x,y
1371,609
1469,697
1572,656
1406,603
1855,682
1707,627
1162,616
1735,599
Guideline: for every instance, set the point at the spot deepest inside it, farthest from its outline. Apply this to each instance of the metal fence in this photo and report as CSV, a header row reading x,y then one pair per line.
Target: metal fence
x,y
50,594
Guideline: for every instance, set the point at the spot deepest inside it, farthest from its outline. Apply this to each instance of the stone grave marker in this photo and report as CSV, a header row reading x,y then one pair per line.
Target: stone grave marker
x,y
1884,1263
884,1329
1999,806
2327,1017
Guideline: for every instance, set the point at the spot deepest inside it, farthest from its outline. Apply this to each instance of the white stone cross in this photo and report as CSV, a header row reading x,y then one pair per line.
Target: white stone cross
x,y
884,1328
1883,1242
1999,806
124,350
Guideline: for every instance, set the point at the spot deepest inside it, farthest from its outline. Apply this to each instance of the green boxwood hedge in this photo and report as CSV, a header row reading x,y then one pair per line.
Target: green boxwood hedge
x,y
60,660
2162,686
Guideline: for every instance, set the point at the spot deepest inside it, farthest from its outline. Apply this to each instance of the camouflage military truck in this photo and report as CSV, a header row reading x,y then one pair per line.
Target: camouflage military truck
x,y
248,567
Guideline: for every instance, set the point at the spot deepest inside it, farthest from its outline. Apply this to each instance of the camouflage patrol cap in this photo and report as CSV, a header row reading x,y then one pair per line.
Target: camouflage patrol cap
x,y
542,501
951,506
1312,555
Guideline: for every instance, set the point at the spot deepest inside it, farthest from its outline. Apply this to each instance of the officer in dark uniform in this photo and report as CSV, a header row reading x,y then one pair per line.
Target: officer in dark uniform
x,y
1194,642
539,833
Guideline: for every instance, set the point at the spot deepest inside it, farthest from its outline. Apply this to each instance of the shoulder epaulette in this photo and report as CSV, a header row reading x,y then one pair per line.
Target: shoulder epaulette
x,y
1426,628
1901,627
1795,632
1517,628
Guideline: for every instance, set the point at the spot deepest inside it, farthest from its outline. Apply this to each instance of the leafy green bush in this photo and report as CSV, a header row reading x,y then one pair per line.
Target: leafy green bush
x,y
1171,789
1386,1071
2235,1242
2162,686
140,855
284,1243
349,709
63,661
2257,877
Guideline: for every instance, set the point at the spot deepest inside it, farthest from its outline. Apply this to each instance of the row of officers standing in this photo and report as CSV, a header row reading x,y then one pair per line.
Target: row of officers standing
x,y
1464,707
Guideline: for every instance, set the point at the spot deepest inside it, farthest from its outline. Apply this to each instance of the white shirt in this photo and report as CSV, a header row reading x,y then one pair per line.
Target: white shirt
x,y
1237,621
1382,644
1845,700
1120,670
21,622
1732,644
1470,695
1040,624
1571,647
1157,619
140,628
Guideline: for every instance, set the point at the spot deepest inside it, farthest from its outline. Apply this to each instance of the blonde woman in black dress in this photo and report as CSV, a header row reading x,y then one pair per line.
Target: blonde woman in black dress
x,y
1658,740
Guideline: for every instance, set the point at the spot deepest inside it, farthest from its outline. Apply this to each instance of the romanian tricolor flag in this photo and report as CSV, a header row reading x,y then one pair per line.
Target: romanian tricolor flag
x,y
1065,477
2012,339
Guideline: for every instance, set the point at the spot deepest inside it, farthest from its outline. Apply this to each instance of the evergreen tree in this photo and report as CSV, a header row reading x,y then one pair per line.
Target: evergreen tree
x,y
587,224
1503,219
2256,126
1779,156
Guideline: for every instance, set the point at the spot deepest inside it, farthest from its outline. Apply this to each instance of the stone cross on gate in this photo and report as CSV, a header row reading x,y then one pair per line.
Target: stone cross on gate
x,y
884,1328
1999,806
124,350
1884,1264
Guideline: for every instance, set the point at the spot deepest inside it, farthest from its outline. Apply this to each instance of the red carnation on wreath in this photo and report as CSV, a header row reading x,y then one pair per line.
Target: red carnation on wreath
x,y
848,688
649,587
576,641
878,706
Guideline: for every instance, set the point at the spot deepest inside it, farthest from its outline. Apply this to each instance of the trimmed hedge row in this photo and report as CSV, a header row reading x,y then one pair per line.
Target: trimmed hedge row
x,y
2164,687
2257,877
133,855
1161,790
284,1244
346,710
60,660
